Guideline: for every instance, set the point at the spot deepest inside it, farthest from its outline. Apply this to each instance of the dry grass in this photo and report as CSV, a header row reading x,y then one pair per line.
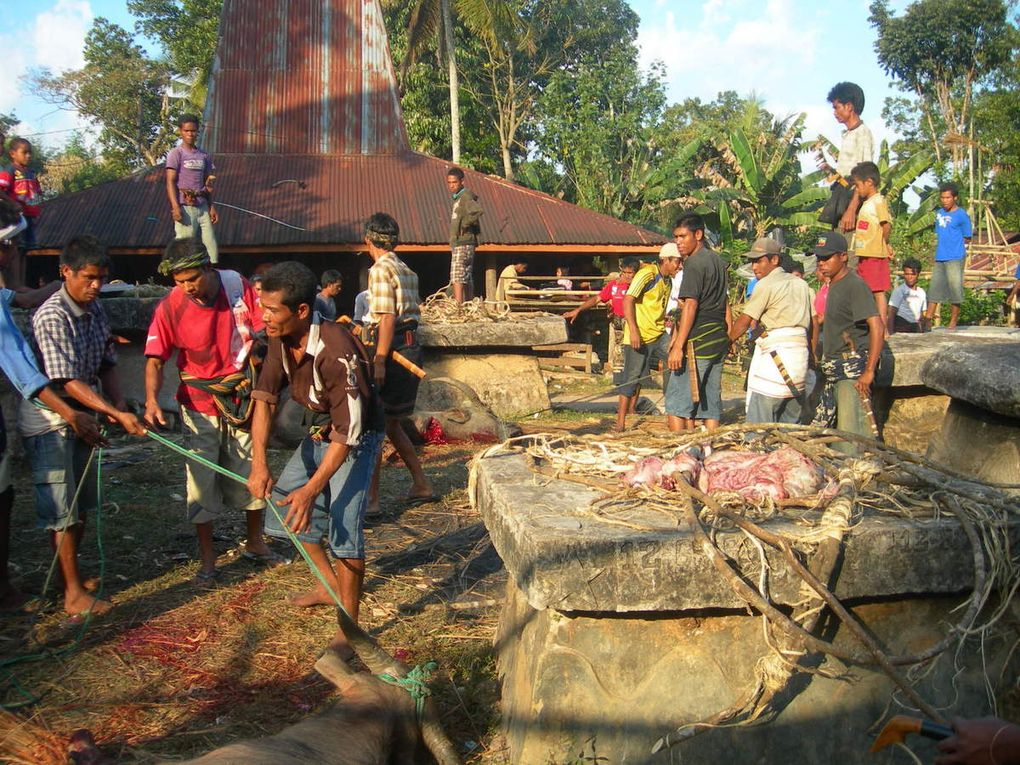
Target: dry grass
x,y
174,671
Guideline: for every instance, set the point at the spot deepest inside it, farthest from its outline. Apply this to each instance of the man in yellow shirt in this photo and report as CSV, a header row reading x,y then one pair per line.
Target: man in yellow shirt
x,y
644,333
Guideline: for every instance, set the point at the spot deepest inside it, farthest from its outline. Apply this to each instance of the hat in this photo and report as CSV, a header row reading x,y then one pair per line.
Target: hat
x,y
669,250
831,243
763,246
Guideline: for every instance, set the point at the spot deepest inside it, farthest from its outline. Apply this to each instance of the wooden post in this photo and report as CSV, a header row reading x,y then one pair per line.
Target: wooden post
x,y
491,275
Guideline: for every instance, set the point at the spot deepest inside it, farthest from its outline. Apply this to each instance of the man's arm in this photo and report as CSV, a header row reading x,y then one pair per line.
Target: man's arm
x,y
876,336
260,481
171,194
591,302
83,424
300,500
890,321
29,299
682,330
383,344
849,220
153,384
214,216
85,396
630,316
739,326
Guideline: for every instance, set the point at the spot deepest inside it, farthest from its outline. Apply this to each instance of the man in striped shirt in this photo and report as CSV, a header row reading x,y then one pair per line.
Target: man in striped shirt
x,y
391,326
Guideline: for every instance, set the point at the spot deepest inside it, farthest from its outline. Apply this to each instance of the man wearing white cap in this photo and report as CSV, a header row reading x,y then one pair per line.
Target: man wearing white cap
x,y
644,338
781,306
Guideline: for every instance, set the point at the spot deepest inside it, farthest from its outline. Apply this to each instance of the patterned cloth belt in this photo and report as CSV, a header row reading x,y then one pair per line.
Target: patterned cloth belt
x,y
230,393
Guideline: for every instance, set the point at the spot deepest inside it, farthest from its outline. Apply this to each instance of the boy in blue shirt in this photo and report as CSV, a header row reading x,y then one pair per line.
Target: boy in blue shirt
x,y
953,232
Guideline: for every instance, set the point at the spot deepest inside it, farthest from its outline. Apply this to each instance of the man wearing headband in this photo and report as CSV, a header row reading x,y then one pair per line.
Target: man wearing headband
x,y
391,325
210,319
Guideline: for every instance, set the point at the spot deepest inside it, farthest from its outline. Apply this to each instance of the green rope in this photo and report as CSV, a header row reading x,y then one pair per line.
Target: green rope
x,y
415,683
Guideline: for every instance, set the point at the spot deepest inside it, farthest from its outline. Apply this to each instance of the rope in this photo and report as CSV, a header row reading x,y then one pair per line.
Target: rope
x,y
415,683
440,308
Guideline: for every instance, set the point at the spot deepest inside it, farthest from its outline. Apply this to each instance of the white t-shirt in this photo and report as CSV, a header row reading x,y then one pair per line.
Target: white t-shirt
x,y
858,145
910,304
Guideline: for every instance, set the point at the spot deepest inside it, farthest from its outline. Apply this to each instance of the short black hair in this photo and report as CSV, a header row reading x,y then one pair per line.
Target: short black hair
x,y
294,281
332,276
17,142
950,186
456,172
186,118
847,93
788,264
84,250
630,262
690,221
913,264
866,171
382,229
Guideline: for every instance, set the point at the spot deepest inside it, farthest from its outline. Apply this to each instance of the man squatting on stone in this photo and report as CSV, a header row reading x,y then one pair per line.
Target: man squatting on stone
x,y
781,306
464,229
72,341
324,486
211,319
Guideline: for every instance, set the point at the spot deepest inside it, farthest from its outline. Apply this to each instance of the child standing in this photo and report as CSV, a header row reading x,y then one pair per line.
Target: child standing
x,y
908,301
871,237
189,173
953,232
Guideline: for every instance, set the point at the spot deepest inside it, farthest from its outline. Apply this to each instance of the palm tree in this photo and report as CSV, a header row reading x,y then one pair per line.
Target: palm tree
x,y
486,18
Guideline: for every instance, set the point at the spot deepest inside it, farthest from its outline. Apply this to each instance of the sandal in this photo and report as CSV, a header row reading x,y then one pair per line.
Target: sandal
x,y
270,559
205,580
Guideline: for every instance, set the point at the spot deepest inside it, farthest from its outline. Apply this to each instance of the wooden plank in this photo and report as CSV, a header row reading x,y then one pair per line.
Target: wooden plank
x,y
563,347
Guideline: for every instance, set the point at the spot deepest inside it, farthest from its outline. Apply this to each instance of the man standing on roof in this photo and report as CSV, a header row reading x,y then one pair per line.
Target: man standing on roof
x,y
189,177
210,319
464,230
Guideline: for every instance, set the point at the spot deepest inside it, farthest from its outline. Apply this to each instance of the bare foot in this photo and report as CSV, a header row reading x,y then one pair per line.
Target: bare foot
x,y
314,597
91,584
341,646
86,604
259,548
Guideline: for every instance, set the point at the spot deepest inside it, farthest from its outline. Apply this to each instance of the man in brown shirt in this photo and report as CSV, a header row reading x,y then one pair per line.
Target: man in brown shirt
x,y
324,486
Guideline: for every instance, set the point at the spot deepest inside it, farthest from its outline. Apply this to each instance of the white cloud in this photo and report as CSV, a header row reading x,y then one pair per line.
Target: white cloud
x,y
60,34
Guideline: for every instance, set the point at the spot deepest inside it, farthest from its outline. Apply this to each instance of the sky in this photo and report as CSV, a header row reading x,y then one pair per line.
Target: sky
x,y
781,50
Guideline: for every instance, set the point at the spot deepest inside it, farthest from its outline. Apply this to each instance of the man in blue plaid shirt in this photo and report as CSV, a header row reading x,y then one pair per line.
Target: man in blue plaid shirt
x,y
72,341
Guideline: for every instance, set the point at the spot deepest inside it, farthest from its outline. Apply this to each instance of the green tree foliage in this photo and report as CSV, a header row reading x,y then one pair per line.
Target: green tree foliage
x,y
940,50
121,90
996,115
187,31
77,167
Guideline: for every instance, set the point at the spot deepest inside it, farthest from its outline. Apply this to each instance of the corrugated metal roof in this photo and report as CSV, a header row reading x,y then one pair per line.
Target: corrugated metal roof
x,y
303,90
339,193
303,77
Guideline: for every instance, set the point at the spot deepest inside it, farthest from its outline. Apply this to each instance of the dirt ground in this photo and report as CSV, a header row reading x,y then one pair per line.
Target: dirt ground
x,y
175,670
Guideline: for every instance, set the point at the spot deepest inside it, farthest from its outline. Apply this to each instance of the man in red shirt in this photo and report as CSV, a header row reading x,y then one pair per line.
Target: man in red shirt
x,y
210,318
612,295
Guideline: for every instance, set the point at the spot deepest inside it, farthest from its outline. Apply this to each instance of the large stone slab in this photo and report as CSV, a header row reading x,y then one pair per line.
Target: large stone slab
x,y
507,383
986,375
912,351
513,333
563,556
576,687
978,443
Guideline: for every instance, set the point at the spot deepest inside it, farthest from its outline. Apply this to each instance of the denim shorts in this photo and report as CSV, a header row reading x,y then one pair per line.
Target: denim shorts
x,y
638,364
338,514
58,460
946,282
679,402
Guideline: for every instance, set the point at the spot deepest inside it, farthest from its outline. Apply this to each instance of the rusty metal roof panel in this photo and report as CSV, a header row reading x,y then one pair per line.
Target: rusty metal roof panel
x,y
303,77
267,200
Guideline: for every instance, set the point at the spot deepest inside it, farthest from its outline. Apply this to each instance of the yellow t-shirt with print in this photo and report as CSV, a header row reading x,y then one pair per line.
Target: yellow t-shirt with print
x,y
868,242
650,291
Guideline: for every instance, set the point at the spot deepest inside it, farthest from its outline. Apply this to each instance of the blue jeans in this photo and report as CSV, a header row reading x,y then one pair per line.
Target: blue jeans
x,y
339,512
679,401
58,460
195,223
768,409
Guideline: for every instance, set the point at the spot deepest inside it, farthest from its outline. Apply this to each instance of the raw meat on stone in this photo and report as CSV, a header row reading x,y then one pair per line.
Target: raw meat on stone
x,y
780,474
644,473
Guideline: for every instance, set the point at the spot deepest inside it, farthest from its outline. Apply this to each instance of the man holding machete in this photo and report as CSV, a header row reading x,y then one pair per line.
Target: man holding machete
x,y
781,306
699,342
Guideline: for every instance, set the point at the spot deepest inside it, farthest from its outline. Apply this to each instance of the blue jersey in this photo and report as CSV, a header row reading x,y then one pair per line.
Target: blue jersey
x,y
951,228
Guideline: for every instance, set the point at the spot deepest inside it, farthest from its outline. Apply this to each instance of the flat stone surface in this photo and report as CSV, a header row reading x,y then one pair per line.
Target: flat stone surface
x,y
978,443
562,556
509,384
986,375
912,351
513,333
